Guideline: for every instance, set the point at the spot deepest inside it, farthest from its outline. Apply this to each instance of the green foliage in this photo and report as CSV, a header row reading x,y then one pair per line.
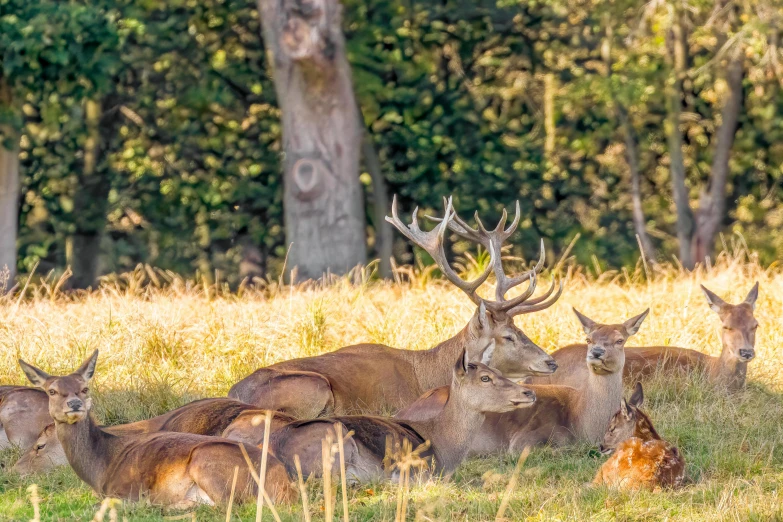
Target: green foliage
x,y
452,92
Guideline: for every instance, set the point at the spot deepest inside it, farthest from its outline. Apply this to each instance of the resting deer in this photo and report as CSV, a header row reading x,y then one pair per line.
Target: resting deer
x,y
729,369
175,469
211,417
377,378
561,414
640,458
24,413
476,390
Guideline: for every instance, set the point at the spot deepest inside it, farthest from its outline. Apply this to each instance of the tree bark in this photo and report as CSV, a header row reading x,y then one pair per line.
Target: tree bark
x,y
632,156
384,239
712,203
9,194
685,222
90,202
324,208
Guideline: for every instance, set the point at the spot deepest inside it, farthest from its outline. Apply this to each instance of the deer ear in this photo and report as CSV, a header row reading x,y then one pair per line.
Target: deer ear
x,y
461,368
587,324
633,324
87,369
34,375
482,316
637,398
752,296
486,353
715,302
625,410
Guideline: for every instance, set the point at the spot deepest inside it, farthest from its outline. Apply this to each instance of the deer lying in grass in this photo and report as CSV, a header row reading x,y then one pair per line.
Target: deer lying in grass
x,y
640,458
377,378
729,369
175,469
476,390
24,412
561,414
213,417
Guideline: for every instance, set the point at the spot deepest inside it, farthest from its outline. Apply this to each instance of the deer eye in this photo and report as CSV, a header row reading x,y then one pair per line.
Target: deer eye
x,y
39,447
509,338
52,393
728,329
618,342
485,378
85,390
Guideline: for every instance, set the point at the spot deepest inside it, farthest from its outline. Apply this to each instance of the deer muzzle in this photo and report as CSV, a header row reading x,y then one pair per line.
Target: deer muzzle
x,y
747,354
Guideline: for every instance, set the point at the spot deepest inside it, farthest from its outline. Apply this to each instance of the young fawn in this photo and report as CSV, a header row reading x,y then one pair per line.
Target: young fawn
x,y
561,414
219,417
729,369
640,458
476,389
175,469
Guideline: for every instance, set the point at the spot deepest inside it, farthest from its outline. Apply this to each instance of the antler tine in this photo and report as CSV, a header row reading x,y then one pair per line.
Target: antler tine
x,y
502,304
433,242
537,304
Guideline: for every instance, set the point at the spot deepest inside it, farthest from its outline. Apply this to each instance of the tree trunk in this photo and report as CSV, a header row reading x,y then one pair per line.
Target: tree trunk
x,y
324,207
9,194
632,156
712,203
384,240
685,225
90,202
549,114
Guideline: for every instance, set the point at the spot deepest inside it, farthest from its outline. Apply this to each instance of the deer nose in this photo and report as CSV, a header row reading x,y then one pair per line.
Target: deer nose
x,y
747,353
597,353
552,365
75,404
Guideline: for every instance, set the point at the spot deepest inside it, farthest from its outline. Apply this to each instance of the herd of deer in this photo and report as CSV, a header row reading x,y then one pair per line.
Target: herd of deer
x,y
488,389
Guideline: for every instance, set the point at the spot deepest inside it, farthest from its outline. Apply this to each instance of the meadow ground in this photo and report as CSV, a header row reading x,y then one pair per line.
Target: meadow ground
x,y
161,348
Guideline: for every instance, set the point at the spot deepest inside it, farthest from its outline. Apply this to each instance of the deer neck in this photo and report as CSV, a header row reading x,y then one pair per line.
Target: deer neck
x,y
451,433
433,367
88,449
598,400
728,370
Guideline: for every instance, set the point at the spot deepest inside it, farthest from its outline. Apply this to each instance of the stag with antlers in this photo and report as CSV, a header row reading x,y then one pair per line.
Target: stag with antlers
x,y
378,378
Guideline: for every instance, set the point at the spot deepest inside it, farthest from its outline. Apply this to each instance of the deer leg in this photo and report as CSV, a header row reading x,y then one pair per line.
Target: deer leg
x,y
299,393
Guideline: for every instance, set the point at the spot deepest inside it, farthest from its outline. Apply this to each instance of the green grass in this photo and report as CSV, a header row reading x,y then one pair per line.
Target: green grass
x,y
161,349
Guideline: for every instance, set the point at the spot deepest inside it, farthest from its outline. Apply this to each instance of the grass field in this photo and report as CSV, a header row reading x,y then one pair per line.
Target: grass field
x,y
161,348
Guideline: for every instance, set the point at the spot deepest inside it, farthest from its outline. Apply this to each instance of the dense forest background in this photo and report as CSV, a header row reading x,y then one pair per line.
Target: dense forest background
x,y
149,131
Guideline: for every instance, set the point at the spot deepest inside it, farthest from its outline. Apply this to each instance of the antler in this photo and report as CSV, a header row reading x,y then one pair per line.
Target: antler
x,y
433,243
493,241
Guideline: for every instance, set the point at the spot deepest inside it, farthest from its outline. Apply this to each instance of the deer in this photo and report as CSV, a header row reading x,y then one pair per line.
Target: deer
x,y
376,378
729,369
179,470
562,414
213,417
640,458
24,413
476,390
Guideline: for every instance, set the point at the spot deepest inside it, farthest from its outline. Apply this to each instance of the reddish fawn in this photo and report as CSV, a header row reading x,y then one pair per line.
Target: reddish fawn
x,y
639,457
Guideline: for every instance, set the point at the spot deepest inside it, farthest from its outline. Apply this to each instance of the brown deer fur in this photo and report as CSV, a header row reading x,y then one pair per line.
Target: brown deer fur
x,y
476,390
561,414
175,469
210,417
640,458
24,412
377,378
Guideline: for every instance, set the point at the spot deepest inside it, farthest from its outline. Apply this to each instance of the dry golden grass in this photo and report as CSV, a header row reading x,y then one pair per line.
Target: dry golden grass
x,y
163,347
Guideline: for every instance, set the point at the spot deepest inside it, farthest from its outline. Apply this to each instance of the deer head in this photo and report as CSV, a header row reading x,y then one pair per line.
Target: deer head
x,y
629,422
46,453
739,325
69,400
605,342
484,389
515,355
